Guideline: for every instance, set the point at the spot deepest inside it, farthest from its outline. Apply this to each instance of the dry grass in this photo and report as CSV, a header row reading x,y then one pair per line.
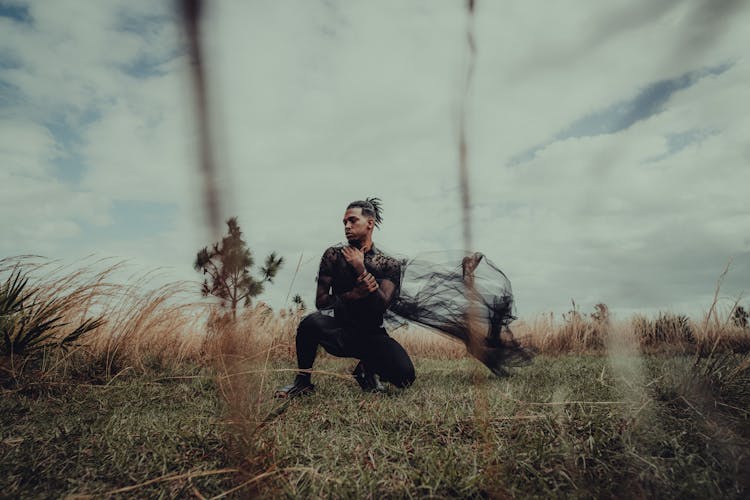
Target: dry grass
x,y
264,332
144,327
166,331
665,332
162,328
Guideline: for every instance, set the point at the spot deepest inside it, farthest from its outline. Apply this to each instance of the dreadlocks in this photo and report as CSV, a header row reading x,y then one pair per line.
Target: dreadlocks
x,y
371,207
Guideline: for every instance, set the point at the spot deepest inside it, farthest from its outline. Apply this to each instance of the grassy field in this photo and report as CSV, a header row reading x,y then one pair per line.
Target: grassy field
x,y
583,426
121,390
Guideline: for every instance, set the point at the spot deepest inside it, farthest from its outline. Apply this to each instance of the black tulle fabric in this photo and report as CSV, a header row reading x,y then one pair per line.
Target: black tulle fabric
x,y
466,297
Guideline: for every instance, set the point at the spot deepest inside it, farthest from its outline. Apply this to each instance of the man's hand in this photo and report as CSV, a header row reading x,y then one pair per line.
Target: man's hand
x,y
366,284
355,258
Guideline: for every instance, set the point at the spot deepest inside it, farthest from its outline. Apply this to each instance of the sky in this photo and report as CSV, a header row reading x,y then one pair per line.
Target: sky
x,y
608,142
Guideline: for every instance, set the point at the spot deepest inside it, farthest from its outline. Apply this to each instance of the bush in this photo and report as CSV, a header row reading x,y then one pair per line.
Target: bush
x,y
31,322
580,332
667,328
740,317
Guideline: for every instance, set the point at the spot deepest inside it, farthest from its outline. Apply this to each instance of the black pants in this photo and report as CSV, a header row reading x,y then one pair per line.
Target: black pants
x,y
378,352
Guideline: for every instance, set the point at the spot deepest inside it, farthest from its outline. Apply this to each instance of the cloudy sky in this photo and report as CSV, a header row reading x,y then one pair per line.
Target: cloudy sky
x,y
608,141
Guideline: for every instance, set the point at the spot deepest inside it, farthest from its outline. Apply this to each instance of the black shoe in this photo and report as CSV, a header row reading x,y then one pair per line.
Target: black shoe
x,y
369,382
298,388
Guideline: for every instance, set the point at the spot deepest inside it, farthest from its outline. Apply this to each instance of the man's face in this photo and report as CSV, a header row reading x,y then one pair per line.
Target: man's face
x,y
356,225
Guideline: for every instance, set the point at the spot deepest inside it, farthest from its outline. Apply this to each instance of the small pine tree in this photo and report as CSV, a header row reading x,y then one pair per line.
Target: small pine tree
x,y
227,268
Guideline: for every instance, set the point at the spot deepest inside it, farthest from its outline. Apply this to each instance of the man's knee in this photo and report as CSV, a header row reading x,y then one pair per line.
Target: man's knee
x,y
310,323
404,381
406,377
402,369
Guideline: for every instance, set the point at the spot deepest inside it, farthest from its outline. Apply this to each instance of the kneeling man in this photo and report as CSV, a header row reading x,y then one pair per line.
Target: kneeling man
x,y
357,282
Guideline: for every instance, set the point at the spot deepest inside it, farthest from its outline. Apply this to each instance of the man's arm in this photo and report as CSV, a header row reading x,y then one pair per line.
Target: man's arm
x,y
324,298
381,298
384,290
377,294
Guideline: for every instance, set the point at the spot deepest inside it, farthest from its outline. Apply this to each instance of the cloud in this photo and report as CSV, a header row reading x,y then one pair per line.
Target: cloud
x,y
16,12
678,141
620,116
634,198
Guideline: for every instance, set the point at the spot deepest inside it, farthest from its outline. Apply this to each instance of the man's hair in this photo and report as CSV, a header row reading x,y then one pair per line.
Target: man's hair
x,y
371,207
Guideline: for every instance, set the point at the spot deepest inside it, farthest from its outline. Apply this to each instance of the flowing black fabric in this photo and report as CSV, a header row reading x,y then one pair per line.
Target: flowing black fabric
x,y
466,297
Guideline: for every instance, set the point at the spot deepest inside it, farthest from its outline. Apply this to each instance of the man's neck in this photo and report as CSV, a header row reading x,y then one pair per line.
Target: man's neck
x,y
365,246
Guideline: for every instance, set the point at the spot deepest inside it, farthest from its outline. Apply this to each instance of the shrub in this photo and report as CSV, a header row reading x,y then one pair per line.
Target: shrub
x,y
667,328
31,322
580,332
740,317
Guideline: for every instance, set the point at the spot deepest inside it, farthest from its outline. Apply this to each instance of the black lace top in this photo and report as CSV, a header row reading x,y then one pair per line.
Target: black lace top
x,y
365,312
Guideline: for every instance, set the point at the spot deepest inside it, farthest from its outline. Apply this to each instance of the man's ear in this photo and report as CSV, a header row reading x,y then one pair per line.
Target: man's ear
x,y
370,223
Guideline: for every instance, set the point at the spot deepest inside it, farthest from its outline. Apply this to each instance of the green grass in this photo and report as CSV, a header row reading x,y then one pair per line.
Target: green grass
x,y
92,439
580,426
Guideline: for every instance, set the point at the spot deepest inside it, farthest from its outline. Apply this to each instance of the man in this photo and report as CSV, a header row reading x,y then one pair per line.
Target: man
x,y
357,282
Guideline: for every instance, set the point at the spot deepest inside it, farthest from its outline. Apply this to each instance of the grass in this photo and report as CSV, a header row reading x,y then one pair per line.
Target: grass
x,y
564,426
170,399
83,439
163,327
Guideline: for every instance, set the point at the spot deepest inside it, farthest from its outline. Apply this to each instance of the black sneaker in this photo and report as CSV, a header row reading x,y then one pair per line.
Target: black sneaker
x,y
298,388
369,382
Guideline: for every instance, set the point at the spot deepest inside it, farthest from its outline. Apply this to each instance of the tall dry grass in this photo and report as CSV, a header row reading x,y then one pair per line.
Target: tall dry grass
x,y
168,331
664,332
149,327
144,326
